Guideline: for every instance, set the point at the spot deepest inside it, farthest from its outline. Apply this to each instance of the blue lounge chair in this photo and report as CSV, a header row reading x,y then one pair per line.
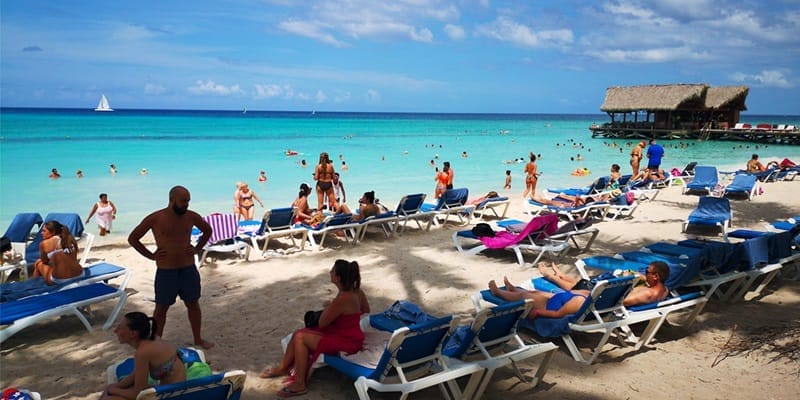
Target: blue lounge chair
x,y
387,221
711,211
275,223
19,314
409,209
704,181
452,202
101,272
742,185
600,184
412,360
492,342
75,225
333,223
21,227
596,314
490,205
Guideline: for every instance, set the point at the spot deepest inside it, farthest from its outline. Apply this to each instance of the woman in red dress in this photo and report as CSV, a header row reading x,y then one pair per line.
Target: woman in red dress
x,y
338,330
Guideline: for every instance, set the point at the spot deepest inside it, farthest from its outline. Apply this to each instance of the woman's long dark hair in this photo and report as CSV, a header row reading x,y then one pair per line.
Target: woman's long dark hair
x,y
68,242
144,326
348,273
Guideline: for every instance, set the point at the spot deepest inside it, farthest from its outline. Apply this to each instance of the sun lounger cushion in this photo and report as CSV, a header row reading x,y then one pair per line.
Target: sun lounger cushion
x,y
27,307
33,286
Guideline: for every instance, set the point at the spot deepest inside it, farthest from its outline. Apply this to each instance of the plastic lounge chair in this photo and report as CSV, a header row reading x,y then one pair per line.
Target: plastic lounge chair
x,y
570,230
101,272
683,177
224,237
704,181
596,210
711,211
596,314
742,185
598,186
223,386
409,209
621,210
533,237
20,232
490,205
19,314
452,202
492,342
275,223
333,223
411,361
769,252
387,221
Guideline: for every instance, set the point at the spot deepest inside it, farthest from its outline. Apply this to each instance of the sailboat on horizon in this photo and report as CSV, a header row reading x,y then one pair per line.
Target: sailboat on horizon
x,y
103,104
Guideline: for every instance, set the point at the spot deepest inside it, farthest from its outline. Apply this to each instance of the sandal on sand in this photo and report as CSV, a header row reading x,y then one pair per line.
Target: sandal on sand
x,y
270,373
286,392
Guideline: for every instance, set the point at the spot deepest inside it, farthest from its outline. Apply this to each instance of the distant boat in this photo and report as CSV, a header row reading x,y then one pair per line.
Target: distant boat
x,y
103,104
244,111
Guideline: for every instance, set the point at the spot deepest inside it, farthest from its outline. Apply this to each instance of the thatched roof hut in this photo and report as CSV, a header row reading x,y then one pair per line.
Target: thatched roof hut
x,y
652,97
727,97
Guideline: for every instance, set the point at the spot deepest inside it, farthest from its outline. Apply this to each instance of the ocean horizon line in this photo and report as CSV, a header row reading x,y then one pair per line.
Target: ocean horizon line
x,y
312,112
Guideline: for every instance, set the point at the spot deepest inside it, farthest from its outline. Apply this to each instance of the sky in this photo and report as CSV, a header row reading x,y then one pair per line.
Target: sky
x,y
461,56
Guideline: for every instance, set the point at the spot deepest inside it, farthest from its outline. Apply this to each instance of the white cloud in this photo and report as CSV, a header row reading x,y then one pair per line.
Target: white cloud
x,y
154,88
320,97
310,30
209,87
132,33
506,29
655,55
373,96
768,78
454,32
267,91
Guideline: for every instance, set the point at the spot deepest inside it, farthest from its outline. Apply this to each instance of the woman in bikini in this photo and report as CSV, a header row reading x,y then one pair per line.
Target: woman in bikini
x,y
545,304
58,255
338,330
323,174
153,357
302,212
531,177
244,201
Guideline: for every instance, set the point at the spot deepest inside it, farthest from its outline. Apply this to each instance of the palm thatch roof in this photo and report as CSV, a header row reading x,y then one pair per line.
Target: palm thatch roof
x,y
727,97
651,97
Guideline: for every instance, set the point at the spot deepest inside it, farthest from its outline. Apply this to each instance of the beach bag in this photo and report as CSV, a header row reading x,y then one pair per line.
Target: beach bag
x,y
483,230
311,318
675,172
630,197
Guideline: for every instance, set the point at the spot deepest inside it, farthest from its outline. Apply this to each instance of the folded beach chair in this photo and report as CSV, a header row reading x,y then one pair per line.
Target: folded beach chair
x,y
534,237
223,386
713,212
492,342
704,181
601,312
276,223
19,314
333,223
569,230
409,209
599,185
387,221
75,225
490,205
411,361
224,237
742,185
452,202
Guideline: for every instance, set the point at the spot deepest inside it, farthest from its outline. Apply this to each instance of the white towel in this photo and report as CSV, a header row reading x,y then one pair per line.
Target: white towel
x,y
371,352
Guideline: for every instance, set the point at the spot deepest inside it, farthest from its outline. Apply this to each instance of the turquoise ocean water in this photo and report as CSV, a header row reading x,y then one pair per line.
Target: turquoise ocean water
x,y
209,151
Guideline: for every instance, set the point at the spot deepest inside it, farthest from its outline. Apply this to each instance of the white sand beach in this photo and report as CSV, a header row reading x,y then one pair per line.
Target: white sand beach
x,y
249,306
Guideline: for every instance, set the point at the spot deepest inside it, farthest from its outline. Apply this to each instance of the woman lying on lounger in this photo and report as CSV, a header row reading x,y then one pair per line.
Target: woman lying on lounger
x,y
58,255
565,200
153,357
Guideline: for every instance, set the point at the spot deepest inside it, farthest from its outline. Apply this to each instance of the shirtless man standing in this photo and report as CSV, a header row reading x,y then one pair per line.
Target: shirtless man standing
x,y
636,157
176,273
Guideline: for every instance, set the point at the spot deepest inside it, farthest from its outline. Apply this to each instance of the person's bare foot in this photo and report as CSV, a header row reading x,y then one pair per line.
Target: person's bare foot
x,y
546,270
493,287
509,286
205,344
272,373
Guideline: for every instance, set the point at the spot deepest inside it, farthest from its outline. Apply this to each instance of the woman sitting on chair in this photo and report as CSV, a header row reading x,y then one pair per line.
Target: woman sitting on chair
x,y
153,357
58,255
338,330
302,212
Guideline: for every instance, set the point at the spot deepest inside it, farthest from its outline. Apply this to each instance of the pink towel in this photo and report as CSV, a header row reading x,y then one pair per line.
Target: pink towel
x,y
547,223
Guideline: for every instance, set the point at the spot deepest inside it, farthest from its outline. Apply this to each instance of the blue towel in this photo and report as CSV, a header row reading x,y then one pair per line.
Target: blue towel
x,y
30,287
401,313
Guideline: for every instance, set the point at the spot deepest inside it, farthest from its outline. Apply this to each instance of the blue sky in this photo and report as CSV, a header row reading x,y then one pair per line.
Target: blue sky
x,y
401,55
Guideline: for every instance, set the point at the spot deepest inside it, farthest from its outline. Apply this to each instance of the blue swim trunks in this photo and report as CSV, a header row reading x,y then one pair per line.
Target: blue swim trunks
x,y
171,283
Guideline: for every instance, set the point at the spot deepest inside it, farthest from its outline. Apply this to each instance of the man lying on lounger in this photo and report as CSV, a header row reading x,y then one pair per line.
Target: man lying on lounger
x,y
565,200
557,305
